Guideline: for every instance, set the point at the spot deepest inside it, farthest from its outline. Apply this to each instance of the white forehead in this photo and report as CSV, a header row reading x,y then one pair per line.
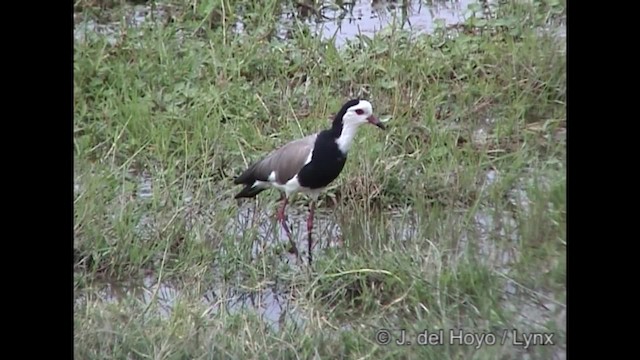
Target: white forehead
x,y
364,105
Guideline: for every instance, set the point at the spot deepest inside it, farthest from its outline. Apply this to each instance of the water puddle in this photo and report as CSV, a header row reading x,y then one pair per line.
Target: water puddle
x,y
344,23
270,305
257,220
133,16
251,217
492,236
370,17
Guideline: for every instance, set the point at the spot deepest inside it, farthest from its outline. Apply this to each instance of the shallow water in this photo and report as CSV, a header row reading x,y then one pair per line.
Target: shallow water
x,y
362,18
365,18
370,17
269,232
268,303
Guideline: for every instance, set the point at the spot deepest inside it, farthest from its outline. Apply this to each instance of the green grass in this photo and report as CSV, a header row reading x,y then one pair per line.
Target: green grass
x,y
453,219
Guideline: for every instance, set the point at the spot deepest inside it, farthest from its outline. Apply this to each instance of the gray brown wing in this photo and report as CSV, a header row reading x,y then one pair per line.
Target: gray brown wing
x,y
285,161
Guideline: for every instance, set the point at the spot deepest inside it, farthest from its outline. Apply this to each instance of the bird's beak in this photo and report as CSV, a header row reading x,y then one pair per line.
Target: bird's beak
x,y
375,121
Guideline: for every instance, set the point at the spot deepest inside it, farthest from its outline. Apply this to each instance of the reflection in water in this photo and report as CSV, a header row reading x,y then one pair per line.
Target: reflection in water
x,y
345,22
252,216
369,17
366,18
492,235
361,17
270,305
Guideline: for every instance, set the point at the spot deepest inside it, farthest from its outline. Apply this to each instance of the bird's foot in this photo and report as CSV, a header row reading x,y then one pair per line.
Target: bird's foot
x,y
293,249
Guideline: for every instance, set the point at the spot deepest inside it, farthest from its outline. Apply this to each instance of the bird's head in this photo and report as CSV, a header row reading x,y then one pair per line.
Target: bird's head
x,y
358,112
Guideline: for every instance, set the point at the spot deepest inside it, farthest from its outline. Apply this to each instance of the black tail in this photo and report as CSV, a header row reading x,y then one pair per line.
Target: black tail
x,y
248,178
249,192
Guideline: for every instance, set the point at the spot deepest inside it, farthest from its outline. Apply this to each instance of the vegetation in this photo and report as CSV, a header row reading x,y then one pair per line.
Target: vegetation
x,y
452,219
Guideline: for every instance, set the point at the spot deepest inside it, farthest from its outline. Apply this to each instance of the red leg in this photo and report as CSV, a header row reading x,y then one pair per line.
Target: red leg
x,y
283,220
282,217
310,228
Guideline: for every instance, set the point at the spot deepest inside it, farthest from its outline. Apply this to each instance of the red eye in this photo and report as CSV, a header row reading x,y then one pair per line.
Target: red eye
x,y
359,111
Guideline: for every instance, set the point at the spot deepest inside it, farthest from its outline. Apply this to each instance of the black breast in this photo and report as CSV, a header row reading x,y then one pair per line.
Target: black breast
x,y
326,164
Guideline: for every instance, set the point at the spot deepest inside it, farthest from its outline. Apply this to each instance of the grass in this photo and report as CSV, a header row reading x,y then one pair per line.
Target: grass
x,y
453,219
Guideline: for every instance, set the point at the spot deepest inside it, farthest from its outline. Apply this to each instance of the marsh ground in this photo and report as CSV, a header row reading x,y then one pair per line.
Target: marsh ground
x,y
453,219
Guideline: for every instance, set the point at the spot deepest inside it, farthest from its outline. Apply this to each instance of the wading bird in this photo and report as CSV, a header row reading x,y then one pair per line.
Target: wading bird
x,y
308,165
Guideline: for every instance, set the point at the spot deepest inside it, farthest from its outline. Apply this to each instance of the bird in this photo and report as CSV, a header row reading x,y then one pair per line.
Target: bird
x,y
308,165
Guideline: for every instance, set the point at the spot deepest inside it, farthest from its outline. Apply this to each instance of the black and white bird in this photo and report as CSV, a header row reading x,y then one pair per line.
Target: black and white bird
x,y
308,165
